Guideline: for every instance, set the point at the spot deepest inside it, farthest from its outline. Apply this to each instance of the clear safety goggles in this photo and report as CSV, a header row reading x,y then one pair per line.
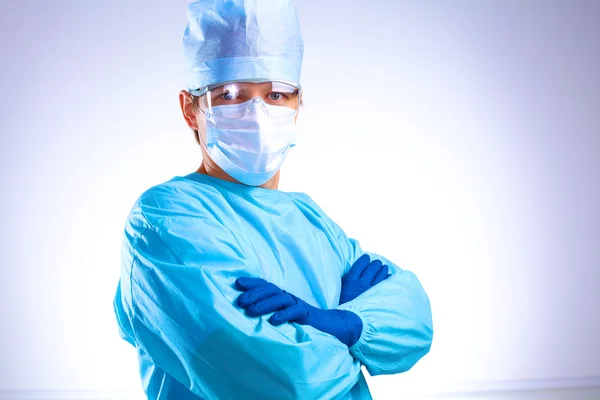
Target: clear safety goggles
x,y
283,97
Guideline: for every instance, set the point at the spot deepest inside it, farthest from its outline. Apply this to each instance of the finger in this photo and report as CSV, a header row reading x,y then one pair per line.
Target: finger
x,y
257,293
295,313
382,275
371,271
358,267
247,283
388,276
269,305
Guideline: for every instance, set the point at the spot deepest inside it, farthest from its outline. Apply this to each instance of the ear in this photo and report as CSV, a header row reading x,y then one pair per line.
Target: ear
x,y
186,103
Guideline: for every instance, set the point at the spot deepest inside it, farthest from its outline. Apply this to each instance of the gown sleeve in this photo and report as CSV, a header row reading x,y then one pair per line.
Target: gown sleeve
x,y
396,315
183,315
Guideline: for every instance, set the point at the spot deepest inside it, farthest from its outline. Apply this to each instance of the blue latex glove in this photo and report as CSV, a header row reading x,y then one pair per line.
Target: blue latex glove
x,y
363,275
261,297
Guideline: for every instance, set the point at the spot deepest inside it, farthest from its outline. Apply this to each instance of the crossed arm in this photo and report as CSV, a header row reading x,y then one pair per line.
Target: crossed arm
x,y
261,297
386,324
186,318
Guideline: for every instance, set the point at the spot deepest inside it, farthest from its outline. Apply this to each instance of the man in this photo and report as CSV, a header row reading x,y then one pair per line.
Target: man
x,y
232,289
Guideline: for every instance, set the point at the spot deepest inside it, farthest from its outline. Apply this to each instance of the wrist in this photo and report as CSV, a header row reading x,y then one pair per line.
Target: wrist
x,y
347,326
354,327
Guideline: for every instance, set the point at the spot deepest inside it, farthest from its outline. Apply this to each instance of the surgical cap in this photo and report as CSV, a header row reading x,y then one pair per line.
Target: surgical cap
x,y
242,40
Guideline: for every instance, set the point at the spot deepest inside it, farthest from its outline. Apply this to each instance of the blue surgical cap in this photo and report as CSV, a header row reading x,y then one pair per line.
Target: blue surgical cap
x,y
242,40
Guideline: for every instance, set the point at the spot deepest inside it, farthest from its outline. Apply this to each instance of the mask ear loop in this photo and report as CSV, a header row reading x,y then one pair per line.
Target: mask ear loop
x,y
203,96
211,137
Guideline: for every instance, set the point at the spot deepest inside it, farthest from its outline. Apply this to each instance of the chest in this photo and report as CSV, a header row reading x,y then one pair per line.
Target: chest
x,y
292,249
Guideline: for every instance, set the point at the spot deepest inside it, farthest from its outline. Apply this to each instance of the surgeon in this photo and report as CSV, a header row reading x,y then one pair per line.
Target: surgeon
x,y
231,288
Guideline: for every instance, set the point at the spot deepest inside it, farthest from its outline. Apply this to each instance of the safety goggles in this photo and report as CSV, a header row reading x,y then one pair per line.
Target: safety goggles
x,y
281,99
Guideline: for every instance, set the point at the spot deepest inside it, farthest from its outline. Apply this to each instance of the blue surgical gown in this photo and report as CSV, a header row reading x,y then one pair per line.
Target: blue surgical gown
x,y
187,240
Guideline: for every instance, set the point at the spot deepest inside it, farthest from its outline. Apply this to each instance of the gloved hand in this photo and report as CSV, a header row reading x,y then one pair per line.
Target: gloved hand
x,y
261,297
363,275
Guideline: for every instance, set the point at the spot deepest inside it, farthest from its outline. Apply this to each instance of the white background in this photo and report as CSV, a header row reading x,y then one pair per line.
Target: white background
x,y
460,139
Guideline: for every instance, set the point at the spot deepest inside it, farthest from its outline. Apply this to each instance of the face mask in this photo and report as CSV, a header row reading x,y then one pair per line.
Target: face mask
x,y
250,149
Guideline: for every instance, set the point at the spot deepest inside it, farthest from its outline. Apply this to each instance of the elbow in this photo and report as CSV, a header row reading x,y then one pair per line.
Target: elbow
x,y
422,348
422,329
418,346
408,361
413,347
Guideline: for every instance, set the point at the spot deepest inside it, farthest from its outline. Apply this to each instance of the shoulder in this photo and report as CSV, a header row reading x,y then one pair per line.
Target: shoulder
x,y
310,208
305,201
172,204
179,197
182,221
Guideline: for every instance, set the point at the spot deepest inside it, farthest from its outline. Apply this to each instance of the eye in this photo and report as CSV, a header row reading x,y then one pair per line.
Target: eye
x,y
228,96
276,96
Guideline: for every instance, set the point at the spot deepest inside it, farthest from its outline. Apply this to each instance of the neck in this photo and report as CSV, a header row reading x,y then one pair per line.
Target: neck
x,y
209,168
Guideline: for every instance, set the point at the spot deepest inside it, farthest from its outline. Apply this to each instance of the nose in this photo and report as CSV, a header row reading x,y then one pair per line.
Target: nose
x,y
257,102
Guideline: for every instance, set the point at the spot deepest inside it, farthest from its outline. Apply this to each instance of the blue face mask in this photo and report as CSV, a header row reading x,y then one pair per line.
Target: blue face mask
x,y
250,149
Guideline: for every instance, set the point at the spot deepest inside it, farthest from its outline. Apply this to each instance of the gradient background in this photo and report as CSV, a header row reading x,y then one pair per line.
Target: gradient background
x,y
460,139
